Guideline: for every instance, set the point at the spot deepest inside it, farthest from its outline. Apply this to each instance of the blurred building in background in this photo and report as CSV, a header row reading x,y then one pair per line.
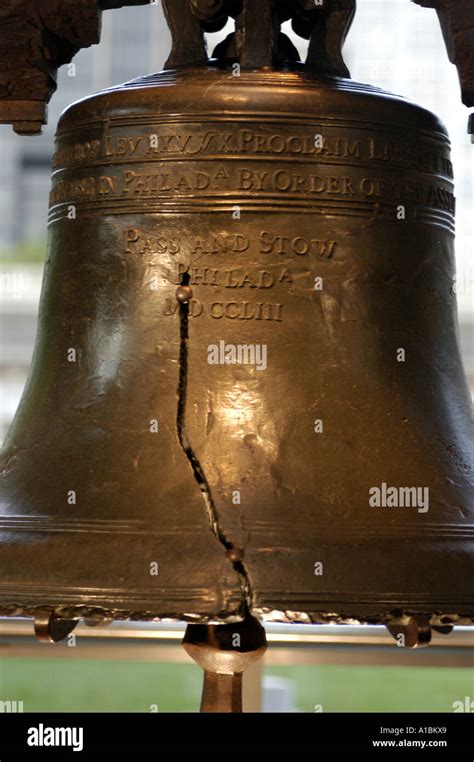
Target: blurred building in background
x,y
396,45
134,41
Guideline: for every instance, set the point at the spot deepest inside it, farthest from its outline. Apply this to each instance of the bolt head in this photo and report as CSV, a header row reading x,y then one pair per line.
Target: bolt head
x,y
184,294
235,554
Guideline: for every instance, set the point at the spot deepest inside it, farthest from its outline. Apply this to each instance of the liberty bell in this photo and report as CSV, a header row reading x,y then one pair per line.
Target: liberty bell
x,y
246,401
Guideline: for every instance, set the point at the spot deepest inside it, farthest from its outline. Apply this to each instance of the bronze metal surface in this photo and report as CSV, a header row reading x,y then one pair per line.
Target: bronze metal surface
x,y
131,449
246,393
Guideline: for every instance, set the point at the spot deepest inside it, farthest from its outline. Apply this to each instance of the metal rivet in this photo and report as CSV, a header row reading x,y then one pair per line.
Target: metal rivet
x,y
235,554
184,294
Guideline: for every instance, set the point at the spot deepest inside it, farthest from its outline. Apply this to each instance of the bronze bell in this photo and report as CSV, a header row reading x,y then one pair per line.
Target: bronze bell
x,y
246,395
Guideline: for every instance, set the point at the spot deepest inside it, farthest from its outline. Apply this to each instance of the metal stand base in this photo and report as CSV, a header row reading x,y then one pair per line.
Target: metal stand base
x,y
224,652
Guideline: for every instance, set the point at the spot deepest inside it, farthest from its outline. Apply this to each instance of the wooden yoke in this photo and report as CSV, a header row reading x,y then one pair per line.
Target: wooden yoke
x,y
37,38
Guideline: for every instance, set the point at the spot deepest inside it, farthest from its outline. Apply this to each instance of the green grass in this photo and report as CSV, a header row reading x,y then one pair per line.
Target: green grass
x,y
52,684
83,685
377,689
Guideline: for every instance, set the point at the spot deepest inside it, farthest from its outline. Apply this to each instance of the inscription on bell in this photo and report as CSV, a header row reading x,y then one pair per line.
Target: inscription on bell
x,y
134,184
206,141
234,278
137,241
221,142
232,310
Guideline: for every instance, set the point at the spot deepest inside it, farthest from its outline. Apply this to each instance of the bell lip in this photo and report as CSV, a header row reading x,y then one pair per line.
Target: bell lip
x,y
275,88
337,613
63,612
435,616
